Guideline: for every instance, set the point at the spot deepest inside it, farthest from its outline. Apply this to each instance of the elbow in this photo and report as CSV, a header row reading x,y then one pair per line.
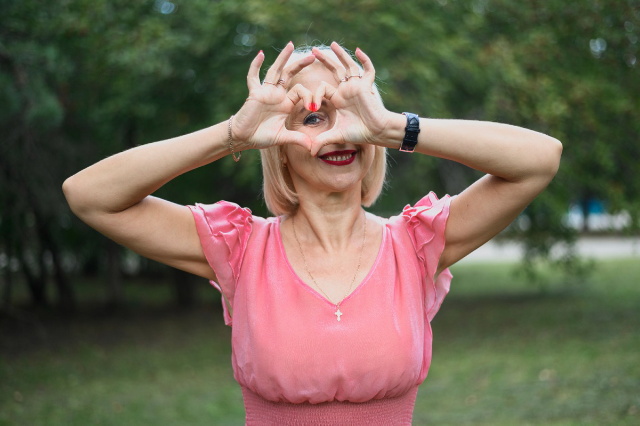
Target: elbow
x,y
554,155
73,194
548,152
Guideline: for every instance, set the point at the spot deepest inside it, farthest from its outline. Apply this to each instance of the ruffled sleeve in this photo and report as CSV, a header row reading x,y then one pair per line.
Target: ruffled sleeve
x,y
426,222
224,229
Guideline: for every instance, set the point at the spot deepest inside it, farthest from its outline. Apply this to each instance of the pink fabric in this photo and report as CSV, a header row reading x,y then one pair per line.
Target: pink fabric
x,y
287,345
377,412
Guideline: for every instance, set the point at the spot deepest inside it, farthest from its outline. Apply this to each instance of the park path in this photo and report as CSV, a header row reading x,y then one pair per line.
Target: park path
x,y
590,247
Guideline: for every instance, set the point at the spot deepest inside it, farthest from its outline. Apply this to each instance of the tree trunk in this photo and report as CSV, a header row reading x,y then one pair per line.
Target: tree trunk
x,y
7,290
36,282
115,293
184,289
65,296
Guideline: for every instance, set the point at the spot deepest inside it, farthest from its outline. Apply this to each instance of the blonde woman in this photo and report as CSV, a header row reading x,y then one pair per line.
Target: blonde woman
x,y
330,306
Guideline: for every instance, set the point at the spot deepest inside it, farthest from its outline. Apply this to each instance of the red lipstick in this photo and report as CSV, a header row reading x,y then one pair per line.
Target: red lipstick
x,y
339,158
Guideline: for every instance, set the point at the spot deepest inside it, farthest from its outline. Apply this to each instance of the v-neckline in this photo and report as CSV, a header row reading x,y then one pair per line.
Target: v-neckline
x,y
310,288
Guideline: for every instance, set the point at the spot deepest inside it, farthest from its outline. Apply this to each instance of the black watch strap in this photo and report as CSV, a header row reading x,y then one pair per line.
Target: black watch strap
x,y
410,132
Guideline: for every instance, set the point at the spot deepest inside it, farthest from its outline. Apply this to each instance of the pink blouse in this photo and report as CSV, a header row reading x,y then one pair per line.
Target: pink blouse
x,y
295,362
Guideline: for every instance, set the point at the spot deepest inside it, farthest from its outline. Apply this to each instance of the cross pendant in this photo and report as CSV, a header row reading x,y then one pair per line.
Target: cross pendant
x,y
337,313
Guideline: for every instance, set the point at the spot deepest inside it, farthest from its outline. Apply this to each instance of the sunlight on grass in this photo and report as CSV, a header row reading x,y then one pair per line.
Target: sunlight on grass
x,y
504,354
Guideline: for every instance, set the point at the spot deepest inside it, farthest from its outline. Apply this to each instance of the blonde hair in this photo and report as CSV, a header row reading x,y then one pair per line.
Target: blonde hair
x,y
279,193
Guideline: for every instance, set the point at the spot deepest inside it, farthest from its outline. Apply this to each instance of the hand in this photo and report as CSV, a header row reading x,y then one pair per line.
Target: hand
x,y
260,123
361,116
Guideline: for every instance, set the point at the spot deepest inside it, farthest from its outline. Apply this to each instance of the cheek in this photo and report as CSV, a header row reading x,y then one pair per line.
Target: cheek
x,y
295,154
368,154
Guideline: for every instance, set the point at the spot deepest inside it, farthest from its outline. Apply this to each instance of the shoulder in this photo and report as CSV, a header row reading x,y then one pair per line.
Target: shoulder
x,y
428,209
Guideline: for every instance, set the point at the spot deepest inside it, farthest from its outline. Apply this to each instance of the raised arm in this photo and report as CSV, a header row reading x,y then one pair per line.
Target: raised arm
x,y
519,163
114,195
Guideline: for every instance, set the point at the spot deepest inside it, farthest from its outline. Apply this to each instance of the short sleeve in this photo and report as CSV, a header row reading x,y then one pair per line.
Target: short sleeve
x,y
224,229
426,223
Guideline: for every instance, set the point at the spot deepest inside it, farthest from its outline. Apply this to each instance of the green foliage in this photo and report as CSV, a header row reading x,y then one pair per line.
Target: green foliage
x,y
82,79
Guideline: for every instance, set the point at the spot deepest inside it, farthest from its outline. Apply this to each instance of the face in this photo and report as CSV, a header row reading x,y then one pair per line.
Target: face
x,y
337,167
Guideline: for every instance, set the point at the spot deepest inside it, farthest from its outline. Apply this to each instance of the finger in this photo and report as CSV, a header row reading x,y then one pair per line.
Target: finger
x,y
333,136
367,65
346,59
300,93
331,64
273,74
324,91
253,76
292,69
298,138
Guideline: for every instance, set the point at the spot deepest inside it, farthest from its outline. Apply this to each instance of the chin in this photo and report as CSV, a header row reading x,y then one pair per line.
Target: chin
x,y
342,183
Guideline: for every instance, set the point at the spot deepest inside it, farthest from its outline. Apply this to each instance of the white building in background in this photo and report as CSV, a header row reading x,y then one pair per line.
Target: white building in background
x,y
597,219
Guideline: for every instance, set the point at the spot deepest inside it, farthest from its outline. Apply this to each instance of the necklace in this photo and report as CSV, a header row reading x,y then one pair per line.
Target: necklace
x,y
337,313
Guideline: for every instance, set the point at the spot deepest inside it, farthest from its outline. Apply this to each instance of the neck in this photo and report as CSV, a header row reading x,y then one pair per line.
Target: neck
x,y
331,224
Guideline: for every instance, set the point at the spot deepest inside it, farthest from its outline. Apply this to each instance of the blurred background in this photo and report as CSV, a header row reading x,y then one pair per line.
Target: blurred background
x,y
93,334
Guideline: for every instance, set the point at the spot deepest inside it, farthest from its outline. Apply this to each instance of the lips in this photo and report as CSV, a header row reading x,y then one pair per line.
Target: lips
x,y
339,158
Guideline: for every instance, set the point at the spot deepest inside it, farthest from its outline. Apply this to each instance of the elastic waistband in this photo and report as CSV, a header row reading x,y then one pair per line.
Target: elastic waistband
x,y
386,411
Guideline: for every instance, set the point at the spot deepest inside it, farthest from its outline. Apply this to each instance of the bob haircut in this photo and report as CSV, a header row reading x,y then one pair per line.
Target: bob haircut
x,y
279,193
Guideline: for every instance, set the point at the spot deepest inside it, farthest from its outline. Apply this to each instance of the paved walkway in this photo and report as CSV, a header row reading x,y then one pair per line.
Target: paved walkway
x,y
588,247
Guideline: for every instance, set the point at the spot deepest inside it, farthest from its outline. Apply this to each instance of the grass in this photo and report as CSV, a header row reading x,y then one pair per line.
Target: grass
x,y
504,354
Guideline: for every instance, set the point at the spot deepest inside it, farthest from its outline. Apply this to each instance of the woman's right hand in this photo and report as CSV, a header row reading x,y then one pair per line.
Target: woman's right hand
x,y
260,123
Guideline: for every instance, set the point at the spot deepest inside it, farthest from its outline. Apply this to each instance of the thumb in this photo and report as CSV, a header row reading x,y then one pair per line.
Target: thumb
x,y
297,138
326,138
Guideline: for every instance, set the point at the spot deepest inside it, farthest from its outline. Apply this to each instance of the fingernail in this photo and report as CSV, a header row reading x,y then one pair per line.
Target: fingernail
x,y
261,52
313,107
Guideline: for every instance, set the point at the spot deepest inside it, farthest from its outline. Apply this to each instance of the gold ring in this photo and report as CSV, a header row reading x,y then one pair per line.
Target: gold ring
x,y
268,82
351,76
281,81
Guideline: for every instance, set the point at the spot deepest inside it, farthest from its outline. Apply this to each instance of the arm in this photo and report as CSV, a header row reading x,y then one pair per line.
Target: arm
x,y
519,163
114,195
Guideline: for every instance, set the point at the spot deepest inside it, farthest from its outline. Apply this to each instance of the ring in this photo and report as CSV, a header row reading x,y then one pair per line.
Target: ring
x,y
350,76
268,82
343,79
281,81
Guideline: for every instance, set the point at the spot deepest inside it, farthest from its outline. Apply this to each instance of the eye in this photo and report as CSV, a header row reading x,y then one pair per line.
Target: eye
x,y
312,119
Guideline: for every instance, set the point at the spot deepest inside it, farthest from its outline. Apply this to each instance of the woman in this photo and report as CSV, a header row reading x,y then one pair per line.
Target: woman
x,y
330,305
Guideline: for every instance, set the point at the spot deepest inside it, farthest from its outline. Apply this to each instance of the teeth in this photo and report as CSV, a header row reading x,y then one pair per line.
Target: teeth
x,y
338,157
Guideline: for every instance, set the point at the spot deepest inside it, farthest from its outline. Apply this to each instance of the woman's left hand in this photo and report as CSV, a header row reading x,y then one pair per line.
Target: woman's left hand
x,y
361,116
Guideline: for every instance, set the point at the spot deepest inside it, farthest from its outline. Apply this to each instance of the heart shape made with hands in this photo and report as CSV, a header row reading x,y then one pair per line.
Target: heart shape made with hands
x,y
360,113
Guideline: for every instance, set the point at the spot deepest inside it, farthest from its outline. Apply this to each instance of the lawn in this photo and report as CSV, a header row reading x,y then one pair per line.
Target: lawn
x,y
505,354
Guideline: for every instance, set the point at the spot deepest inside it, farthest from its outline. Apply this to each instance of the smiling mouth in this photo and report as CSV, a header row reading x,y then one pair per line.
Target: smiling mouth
x,y
339,158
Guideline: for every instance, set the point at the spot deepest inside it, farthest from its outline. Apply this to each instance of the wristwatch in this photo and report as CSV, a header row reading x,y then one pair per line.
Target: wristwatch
x,y
410,132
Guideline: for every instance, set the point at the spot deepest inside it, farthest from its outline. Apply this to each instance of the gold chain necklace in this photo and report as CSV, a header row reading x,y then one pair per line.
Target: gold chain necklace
x,y
337,313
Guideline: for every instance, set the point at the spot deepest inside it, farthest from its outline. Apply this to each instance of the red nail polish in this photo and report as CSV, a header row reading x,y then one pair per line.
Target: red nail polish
x,y
313,107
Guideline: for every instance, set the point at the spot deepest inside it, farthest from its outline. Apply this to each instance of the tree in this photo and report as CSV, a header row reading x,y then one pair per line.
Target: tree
x,y
83,79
